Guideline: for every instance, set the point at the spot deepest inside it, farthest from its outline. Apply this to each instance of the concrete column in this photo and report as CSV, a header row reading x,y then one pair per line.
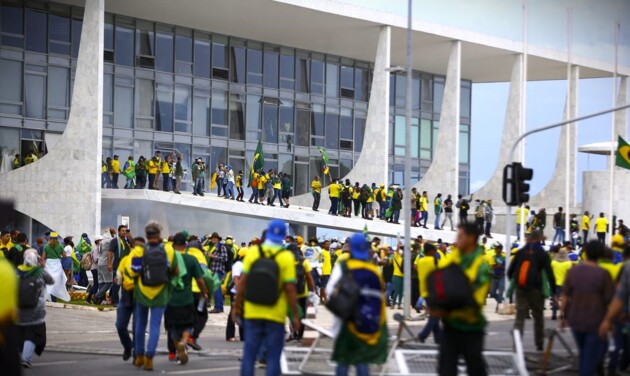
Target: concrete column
x,y
63,189
621,117
553,194
493,188
372,165
443,175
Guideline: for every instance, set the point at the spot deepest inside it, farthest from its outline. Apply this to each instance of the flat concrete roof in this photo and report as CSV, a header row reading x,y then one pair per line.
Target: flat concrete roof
x,y
599,148
349,31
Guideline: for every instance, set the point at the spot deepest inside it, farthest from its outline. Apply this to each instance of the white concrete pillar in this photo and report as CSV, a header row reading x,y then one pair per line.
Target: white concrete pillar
x,y
553,194
493,187
443,175
63,189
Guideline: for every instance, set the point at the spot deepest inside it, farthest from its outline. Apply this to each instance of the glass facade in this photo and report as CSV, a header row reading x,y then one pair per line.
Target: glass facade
x,y
208,95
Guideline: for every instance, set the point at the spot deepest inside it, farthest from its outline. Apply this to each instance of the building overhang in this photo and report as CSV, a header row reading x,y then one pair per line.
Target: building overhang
x,y
599,148
346,30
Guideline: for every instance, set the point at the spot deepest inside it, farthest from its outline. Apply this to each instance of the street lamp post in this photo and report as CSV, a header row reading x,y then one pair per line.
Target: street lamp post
x,y
407,195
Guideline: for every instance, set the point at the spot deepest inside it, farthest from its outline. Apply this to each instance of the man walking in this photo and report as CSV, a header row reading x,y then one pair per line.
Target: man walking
x,y
115,167
217,258
448,212
333,192
316,187
119,247
527,269
558,225
489,217
437,204
601,228
424,208
586,226
463,205
262,303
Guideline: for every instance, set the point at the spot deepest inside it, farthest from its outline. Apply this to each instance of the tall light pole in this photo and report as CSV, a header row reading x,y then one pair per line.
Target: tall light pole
x,y
407,196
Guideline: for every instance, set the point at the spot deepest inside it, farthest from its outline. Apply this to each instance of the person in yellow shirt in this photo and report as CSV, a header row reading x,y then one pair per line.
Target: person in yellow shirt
x,y
601,228
326,262
254,185
334,190
522,213
560,266
262,183
239,186
8,316
264,322
5,243
302,296
115,168
423,208
425,266
586,226
316,187
397,278
166,173
153,171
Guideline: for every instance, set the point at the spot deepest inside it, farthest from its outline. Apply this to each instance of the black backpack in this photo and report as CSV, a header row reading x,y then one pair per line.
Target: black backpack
x,y
344,299
230,258
300,273
345,193
155,266
449,289
262,286
30,289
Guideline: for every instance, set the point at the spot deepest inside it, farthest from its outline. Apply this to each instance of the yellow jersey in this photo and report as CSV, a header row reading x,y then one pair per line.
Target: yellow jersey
x,y
518,215
166,168
398,265
307,270
560,270
334,190
424,266
586,223
423,203
600,224
326,262
612,269
115,163
316,186
153,167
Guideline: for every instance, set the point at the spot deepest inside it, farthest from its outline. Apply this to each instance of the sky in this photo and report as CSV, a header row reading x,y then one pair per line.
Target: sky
x,y
593,36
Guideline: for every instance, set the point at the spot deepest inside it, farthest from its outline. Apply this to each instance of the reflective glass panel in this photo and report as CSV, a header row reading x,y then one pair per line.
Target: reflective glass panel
x,y
108,84
183,103
237,64
145,44
77,25
123,54
219,55
332,80
123,106
345,127
302,77
271,70
425,134
202,58
10,80
144,100
237,117
183,48
464,147
347,77
11,19
109,35
36,25
401,90
399,135
438,93
317,77
302,122
59,28
254,66
219,108
361,81
164,52
332,131
317,122
254,114
164,108
359,130
287,71
415,138
35,91
415,93
464,107
270,124
58,86
201,109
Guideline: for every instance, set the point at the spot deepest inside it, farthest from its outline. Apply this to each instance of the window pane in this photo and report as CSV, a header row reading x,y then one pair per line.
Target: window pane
x,y
35,90
415,93
301,179
59,28
302,76
270,124
401,90
427,93
464,144
271,70
345,166
286,125
10,80
303,121
108,84
183,48
415,138
219,55
109,35
317,77
332,131
438,92
164,57
11,19
36,23
425,134
124,46
237,118
77,25
434,135
219,108
332,80
361,84
201,110
144,98
237,64
345,128
287,71
254,114
123,106
347,77
359,130
399,135
58,86
254,66
317,122
164,108
202,58
219,155
183,105
145,39
464,106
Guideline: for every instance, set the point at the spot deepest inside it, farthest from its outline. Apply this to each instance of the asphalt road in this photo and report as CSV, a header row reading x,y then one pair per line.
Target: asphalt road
x,y
86,343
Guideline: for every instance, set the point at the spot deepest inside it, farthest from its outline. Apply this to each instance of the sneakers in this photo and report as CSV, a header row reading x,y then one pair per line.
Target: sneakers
x,y
172,357
148,363
26,364
193,344
139,362
215,311
181,353
126,354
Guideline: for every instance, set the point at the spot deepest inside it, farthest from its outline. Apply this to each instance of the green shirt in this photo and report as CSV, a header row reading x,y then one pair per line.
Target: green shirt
x,y
184,297
53,252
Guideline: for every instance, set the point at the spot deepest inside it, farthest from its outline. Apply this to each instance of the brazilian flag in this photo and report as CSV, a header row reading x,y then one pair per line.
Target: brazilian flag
x,y
322,151
623,154
257,163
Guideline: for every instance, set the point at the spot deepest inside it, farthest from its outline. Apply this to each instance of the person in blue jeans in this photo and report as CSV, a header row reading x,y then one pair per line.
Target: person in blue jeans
x,y
151,291
497,287
263,318
217,258
125,308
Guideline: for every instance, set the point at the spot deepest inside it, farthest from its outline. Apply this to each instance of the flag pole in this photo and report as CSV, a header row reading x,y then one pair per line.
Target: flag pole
x,y
567,183
611,189
523,117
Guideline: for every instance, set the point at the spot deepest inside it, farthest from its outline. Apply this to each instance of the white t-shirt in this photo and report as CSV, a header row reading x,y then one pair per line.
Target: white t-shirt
x,y
68,250
237,269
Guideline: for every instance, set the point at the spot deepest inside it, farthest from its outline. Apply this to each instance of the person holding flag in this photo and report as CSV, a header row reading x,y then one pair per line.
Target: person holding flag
x,y
258,162
326,169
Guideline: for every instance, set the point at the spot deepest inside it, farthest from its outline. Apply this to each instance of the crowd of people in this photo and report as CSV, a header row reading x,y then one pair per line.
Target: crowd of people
x,y
182,278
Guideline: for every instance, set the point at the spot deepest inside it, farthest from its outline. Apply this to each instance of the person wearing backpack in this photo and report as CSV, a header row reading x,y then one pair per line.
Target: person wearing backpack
x,y
119,247
218,259
438,208
235,275
152,266
265,293
358,303
381,198
201,316
16,253
463,205
304,284
424,266
531,271
33,279
423,208
346,198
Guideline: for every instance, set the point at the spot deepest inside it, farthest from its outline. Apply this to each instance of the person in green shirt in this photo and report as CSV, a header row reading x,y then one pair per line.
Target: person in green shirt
x,y
179,316
437,206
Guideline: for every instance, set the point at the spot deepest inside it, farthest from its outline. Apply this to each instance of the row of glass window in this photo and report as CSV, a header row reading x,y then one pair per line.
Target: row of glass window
x,y
397,176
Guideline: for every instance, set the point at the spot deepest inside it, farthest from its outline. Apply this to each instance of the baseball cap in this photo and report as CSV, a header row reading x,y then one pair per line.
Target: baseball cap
x,y
54,235
299,240
98,237
359,247
276,231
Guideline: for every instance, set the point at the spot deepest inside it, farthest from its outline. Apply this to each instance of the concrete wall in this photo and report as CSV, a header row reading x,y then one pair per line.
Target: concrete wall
x,y
62,189
595,193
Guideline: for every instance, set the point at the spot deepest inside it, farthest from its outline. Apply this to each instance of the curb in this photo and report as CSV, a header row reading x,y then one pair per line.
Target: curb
x,y
118,352
78,307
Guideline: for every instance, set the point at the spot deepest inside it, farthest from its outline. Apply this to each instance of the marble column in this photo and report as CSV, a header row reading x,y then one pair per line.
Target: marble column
x,y
493,189
553,194
372,165
62,190
443,174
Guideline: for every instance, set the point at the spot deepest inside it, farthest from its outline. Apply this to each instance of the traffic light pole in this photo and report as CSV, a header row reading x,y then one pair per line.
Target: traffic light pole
x,y
508,214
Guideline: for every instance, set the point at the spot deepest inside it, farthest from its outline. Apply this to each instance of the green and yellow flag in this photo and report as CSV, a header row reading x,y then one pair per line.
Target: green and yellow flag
x,y
324,160
623,154
257,163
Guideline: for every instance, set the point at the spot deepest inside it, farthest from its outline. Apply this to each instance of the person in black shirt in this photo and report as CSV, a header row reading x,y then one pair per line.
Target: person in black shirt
x,y
448,212
16,253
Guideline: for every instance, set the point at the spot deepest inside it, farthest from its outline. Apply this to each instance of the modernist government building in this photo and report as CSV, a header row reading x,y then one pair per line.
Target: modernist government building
x,y
84,80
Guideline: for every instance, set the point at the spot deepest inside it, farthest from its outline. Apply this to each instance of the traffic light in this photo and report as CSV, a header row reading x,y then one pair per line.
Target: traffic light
x,y
516,184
